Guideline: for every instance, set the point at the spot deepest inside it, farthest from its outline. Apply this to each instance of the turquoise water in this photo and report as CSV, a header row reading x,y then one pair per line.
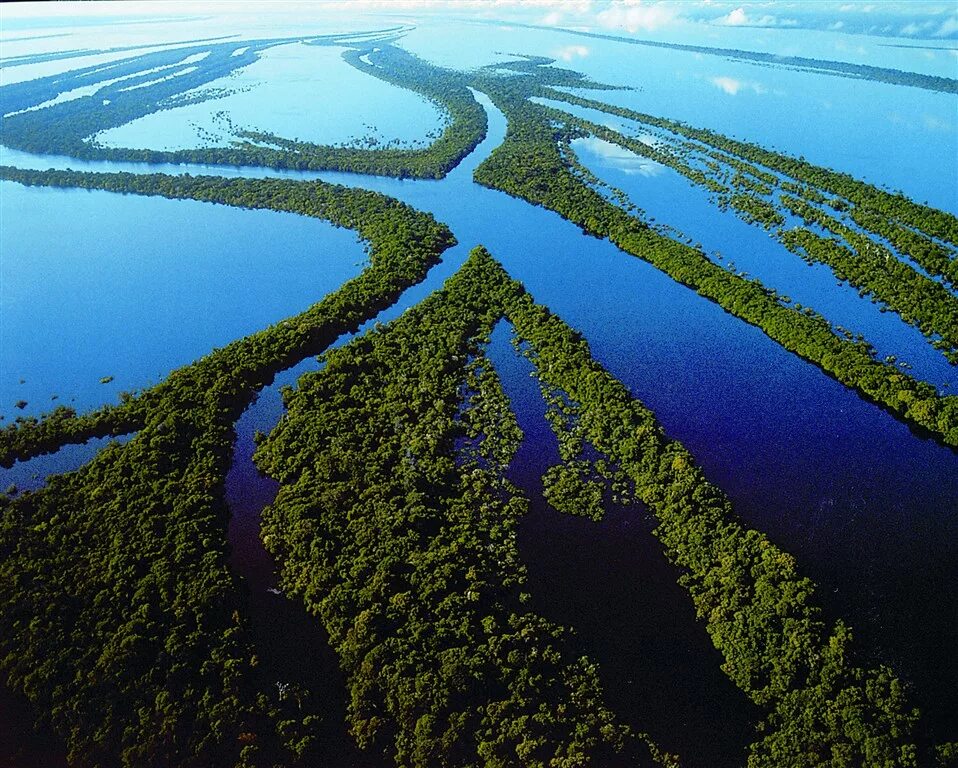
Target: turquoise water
x,y
867,507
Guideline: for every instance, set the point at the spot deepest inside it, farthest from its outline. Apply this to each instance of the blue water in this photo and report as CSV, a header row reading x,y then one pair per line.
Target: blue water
x,y
247,491
884,134
670,199
289,92
868,508
32,474
97,284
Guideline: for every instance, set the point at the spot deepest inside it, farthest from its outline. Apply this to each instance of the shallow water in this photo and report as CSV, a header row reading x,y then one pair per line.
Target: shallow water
x,y
289,91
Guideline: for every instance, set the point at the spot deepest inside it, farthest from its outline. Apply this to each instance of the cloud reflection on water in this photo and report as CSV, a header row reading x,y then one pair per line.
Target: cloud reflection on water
x,y
732,87
614,156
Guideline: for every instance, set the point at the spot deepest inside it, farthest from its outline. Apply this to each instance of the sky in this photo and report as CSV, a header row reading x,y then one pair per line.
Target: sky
x,y
917,19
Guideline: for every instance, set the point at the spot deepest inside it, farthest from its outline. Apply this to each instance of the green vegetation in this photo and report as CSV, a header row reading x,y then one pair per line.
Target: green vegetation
x,y
918,300
532,164
447,89
580,484
119,616
16,61
394,524
62,128
29,436
70,127
932,256
755,210
824,709
889,206
861,260
571,488
121,620
947,755
403,245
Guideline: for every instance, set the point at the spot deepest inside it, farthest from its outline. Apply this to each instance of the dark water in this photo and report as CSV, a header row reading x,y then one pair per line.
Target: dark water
x,y
612,584
869,509
292,645
21,744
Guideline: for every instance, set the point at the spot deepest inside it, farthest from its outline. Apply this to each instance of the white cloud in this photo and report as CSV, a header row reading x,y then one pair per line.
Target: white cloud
x,y
551,19
570,52
728,84
734,19
739,18
836,26
635,15
910,30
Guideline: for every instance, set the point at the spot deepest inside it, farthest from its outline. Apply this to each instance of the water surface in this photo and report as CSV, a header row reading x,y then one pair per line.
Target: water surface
x,y
98,285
